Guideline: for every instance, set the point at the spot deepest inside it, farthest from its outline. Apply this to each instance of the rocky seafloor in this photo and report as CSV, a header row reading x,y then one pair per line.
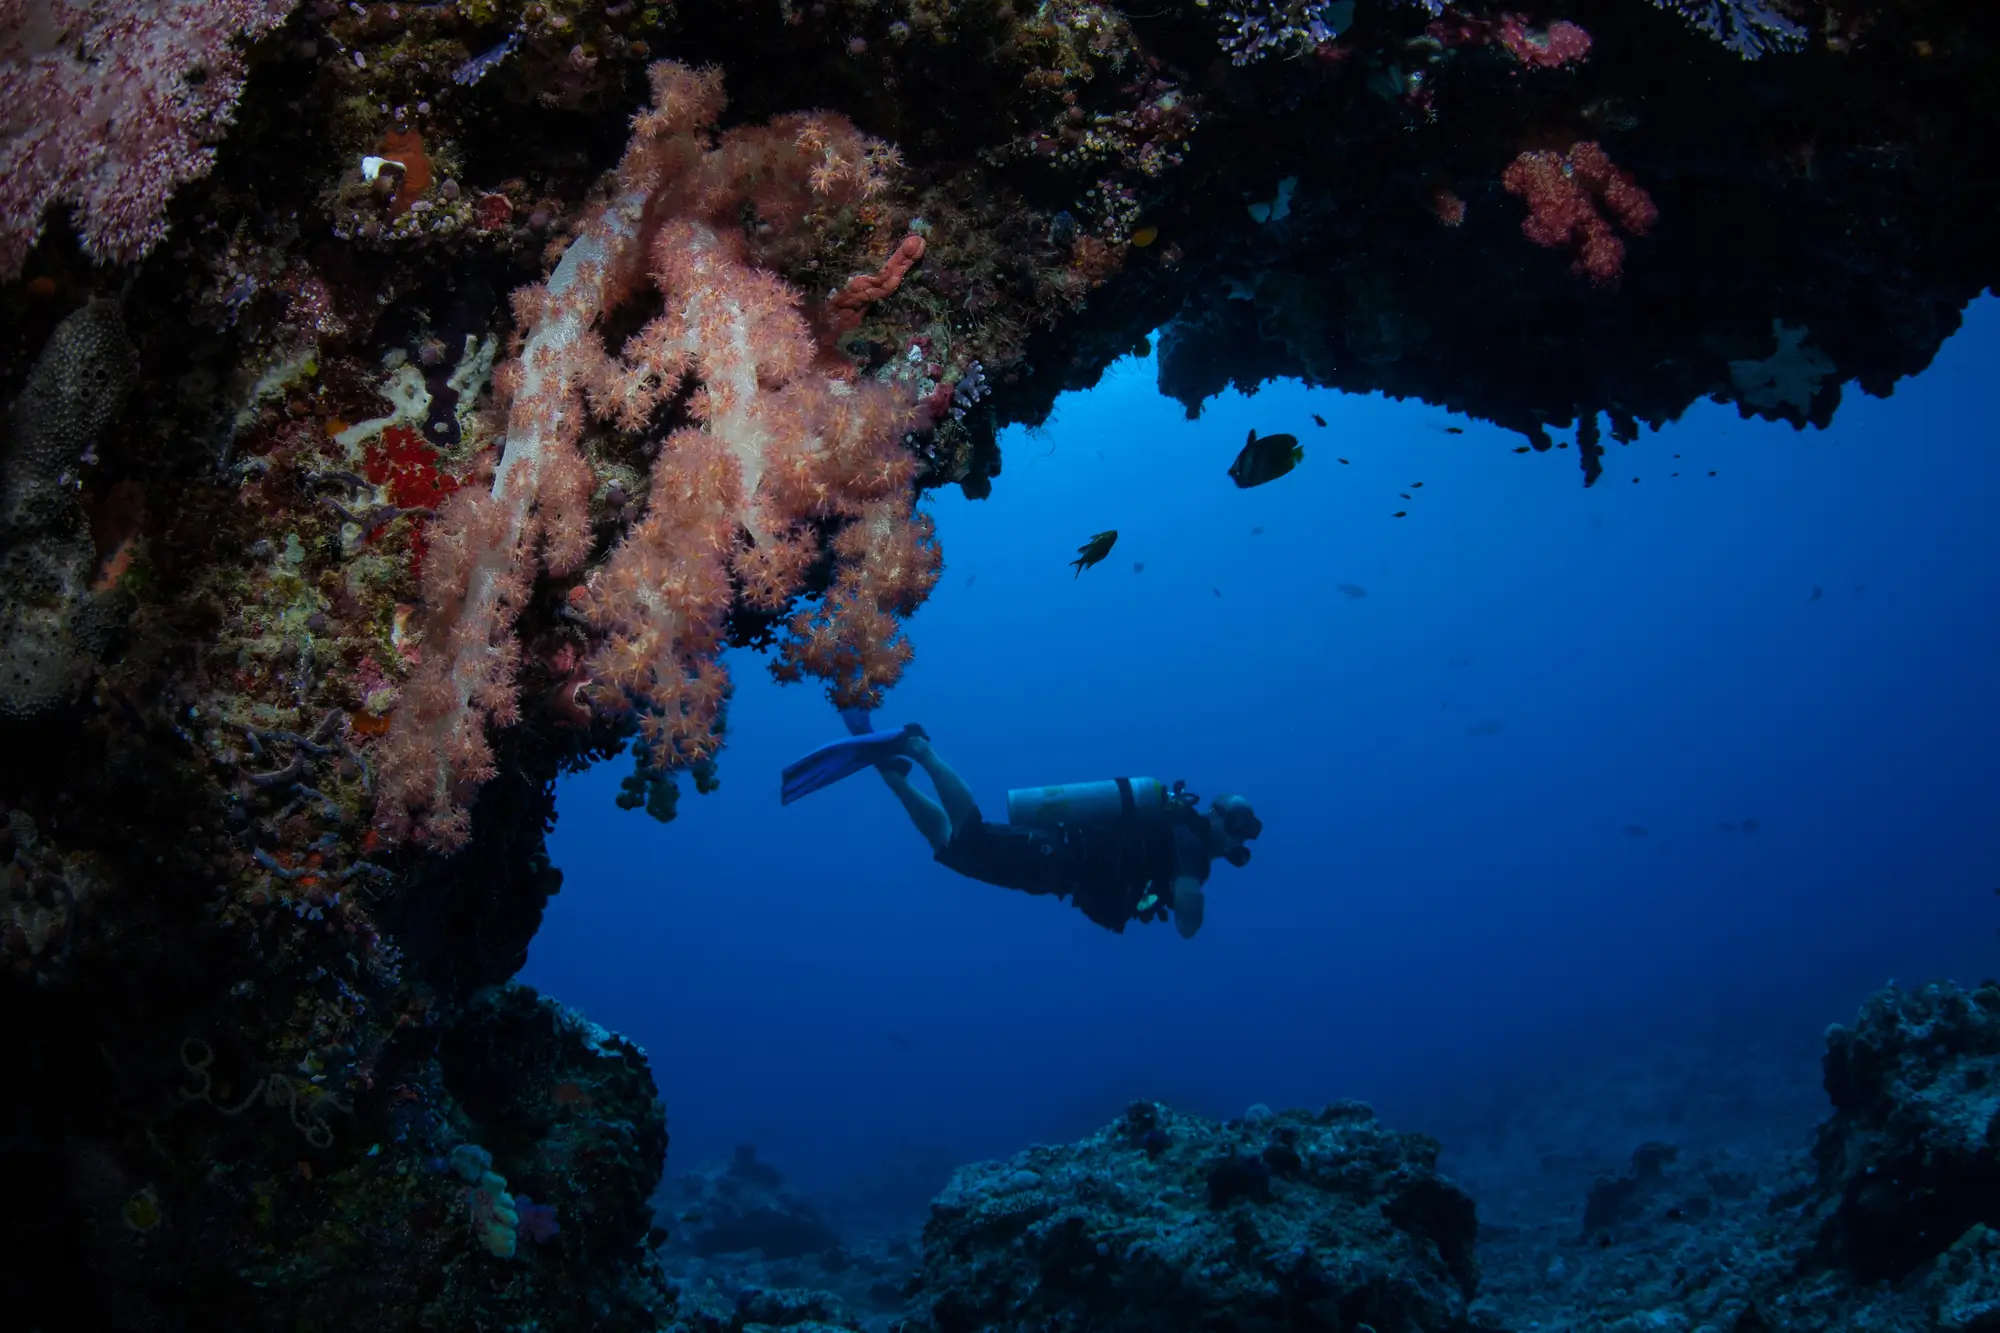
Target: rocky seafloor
x,y
1885,1217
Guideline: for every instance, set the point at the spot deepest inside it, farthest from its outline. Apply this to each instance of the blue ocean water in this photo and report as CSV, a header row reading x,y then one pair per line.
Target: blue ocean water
x,y
1509,751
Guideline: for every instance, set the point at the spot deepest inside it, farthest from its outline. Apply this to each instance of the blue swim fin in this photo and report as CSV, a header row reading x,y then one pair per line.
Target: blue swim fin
x,y
840,759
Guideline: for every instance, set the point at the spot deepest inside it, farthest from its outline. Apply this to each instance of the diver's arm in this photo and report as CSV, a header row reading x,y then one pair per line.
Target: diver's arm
x,y
1189,903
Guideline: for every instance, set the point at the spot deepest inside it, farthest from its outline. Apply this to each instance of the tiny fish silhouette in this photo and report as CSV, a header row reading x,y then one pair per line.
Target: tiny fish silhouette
x,y
1400,513
1138,566
1257,531
1340,460
1749,826
1520,448
1094,550
1354,590
1216,591
1416,485
1265,459
1318,420
1815,594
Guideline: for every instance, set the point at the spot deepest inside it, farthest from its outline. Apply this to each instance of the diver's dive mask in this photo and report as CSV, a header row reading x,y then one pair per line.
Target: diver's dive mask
x,y
1240,822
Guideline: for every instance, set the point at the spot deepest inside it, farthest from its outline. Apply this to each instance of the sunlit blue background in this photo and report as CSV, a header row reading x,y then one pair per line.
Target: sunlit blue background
x,y
1453,898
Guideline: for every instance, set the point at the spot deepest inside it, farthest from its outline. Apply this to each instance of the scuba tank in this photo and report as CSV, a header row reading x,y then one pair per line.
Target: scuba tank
x,y
1078,803
1119,834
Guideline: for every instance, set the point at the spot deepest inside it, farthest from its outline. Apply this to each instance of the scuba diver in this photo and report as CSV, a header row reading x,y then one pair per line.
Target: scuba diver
x,y
1121,850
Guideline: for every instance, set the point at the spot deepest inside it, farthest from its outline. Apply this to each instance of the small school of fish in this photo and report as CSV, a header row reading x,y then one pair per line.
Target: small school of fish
x,y
1262,460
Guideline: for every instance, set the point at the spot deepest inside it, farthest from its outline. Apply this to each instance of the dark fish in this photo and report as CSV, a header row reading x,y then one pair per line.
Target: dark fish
x,y
1416,485
1138,566
1265,459
1400,513
1454,430
1749,826
969,578
1318,420
1635,830
1815,594
1711,472
1257,532
1094,550
1340,460
1520,448
1216,591
1403,495
1352,589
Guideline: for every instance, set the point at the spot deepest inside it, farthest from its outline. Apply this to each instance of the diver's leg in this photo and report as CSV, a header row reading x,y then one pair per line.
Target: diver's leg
x,y
926,814
951,789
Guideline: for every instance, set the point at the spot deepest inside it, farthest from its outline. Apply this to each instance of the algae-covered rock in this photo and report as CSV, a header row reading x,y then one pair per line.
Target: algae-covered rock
x,y
1911,1155
1165,1222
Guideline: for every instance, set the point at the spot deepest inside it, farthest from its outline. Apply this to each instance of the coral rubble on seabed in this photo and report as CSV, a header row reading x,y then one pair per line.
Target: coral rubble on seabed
x,y
1328,1220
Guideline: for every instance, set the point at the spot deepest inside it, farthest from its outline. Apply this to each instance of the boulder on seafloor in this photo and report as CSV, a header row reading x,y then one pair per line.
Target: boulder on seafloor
x,y
1168,1222
1911,1155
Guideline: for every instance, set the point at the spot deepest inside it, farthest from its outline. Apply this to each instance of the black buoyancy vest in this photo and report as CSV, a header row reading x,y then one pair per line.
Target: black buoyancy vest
x,y
1113,865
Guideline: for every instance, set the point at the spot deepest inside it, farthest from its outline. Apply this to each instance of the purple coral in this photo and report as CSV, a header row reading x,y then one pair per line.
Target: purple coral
x,y
1750,28
971,387
109,105
538,1220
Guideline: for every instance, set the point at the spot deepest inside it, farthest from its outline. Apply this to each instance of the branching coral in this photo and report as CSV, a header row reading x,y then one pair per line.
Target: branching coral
x,y
780,446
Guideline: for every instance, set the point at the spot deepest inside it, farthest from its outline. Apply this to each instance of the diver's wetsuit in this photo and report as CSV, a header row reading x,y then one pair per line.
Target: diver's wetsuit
x,y
1105,869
